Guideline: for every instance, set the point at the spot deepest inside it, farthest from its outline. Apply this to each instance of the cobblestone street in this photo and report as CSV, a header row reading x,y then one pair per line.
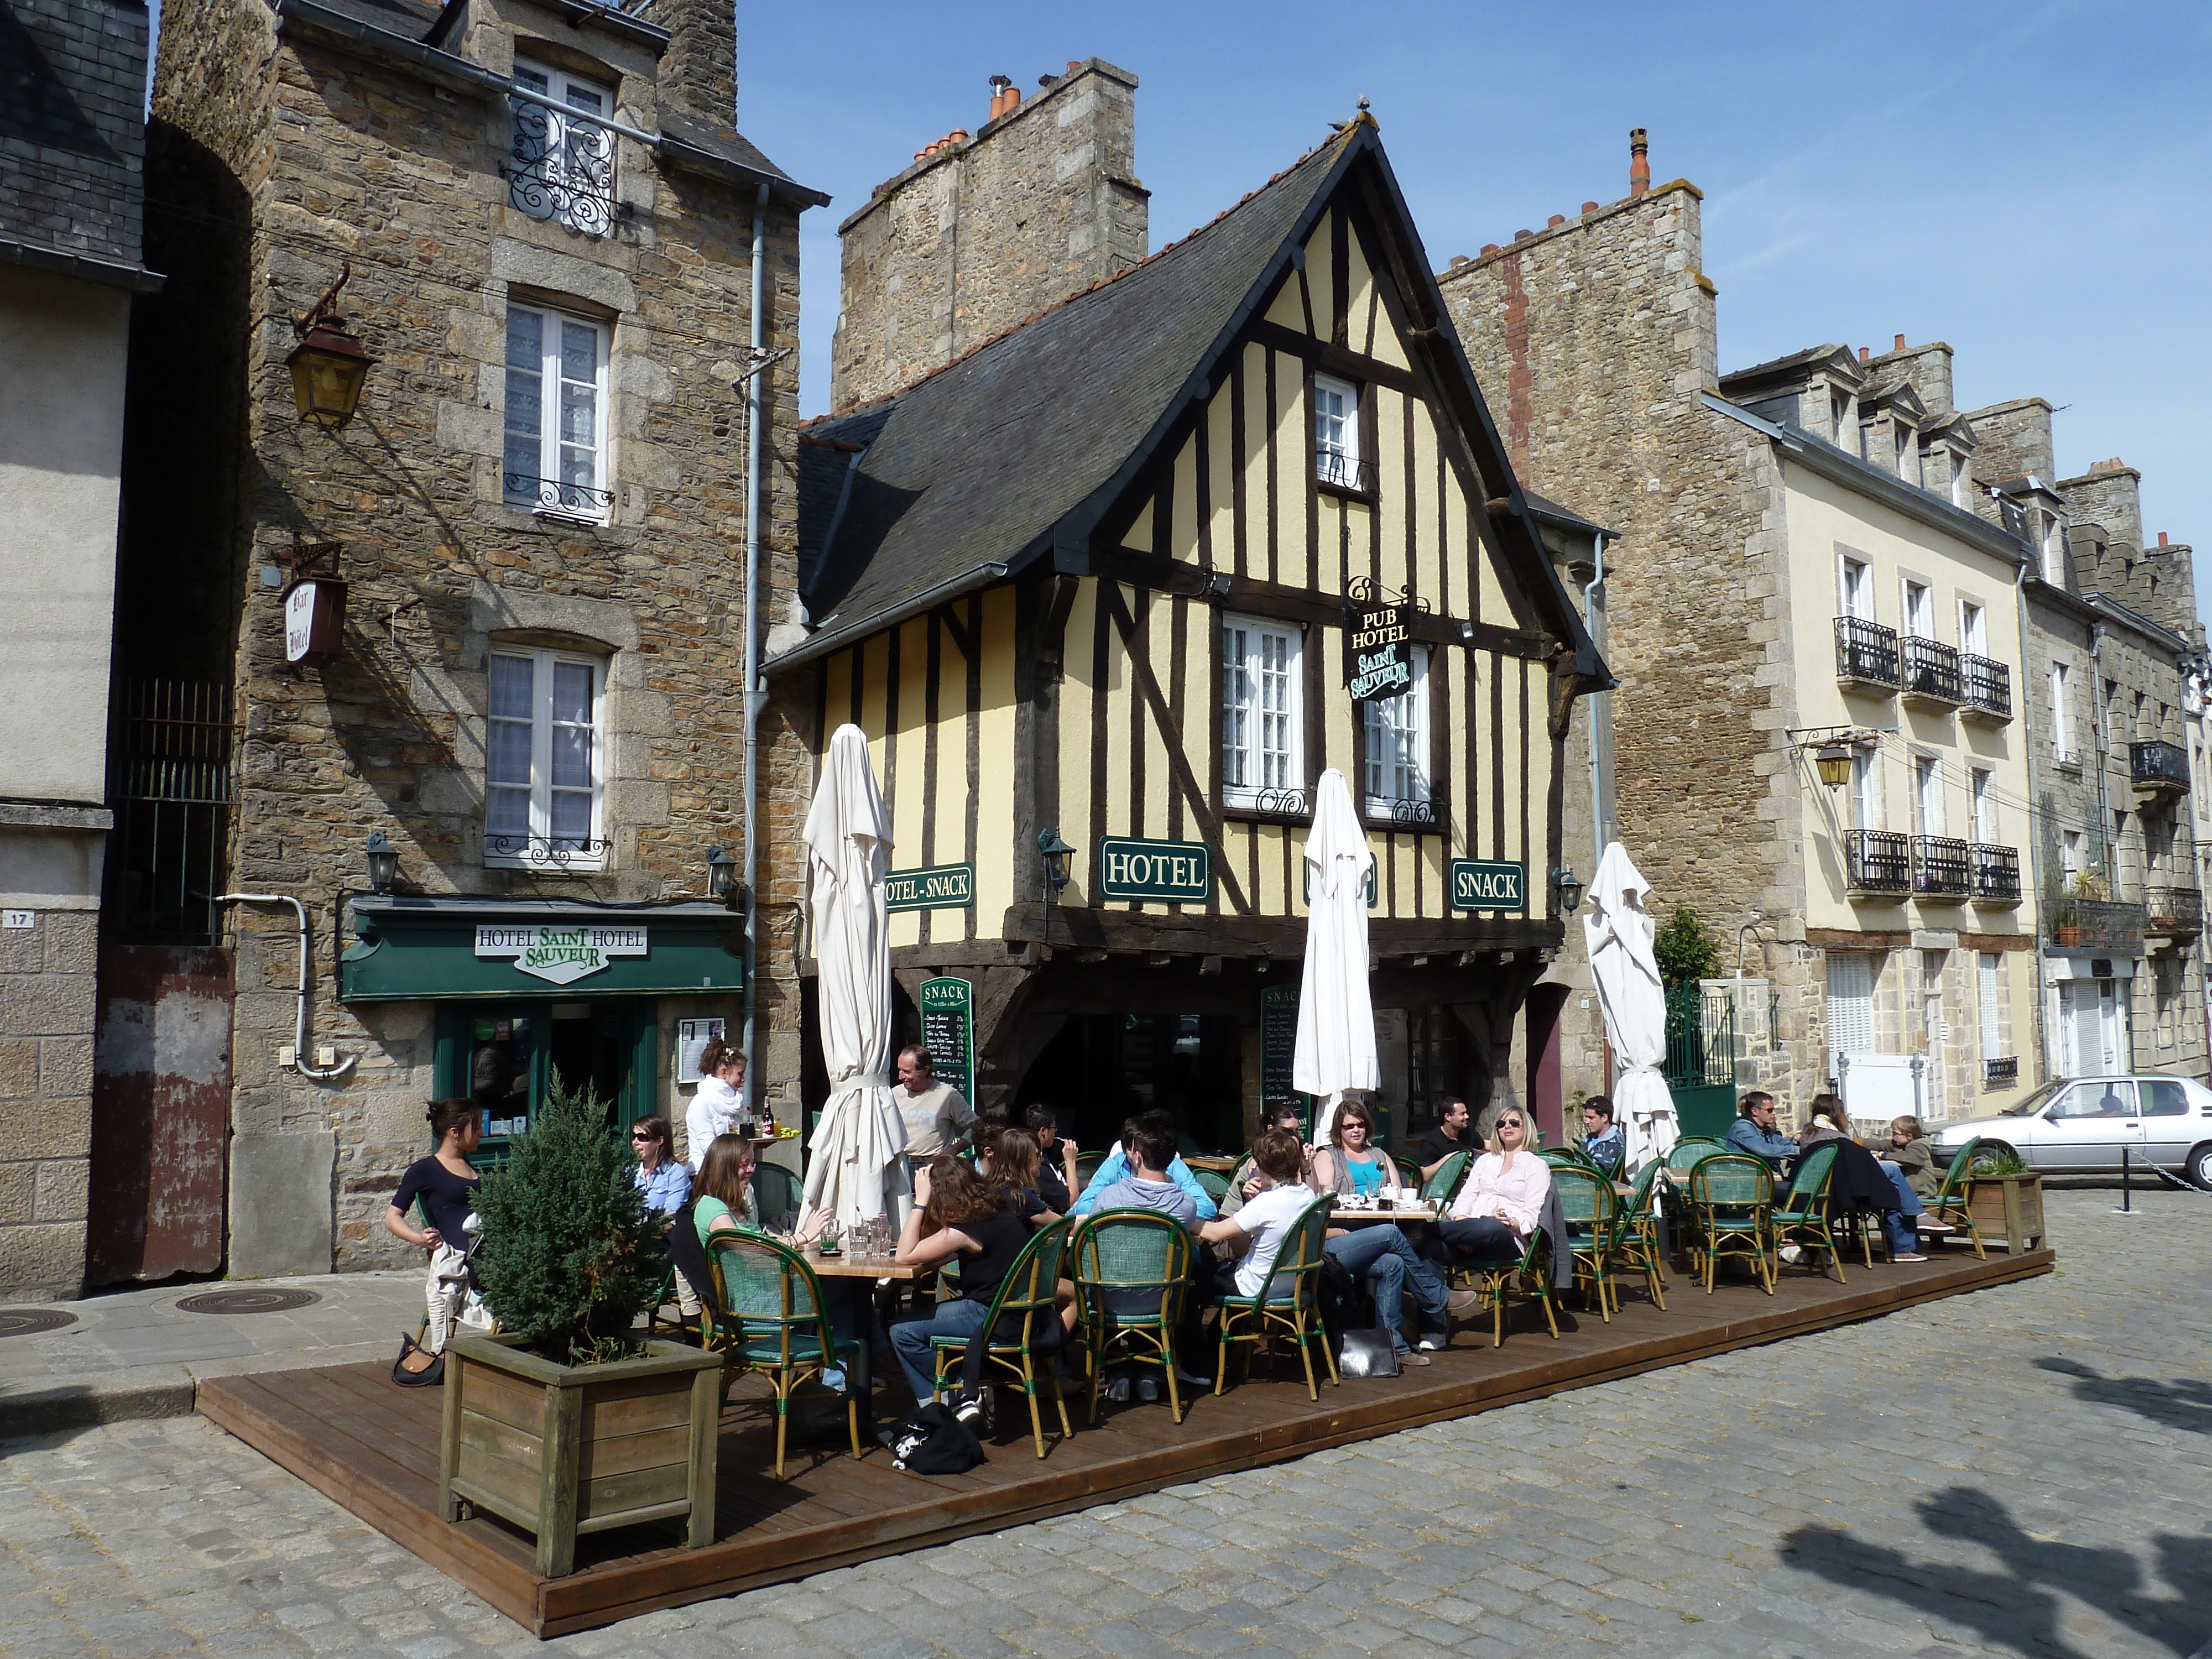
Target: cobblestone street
x,y
2022,1471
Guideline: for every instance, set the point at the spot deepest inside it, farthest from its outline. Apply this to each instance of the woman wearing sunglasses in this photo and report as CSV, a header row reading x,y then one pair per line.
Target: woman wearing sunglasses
x,y
1497,1208
663,1180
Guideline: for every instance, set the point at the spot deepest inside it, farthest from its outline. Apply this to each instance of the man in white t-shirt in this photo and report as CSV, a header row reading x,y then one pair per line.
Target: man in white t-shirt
x,y
935,1115
1255,1233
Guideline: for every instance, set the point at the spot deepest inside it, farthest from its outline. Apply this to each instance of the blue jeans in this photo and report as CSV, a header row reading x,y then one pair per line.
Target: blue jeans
x,y
910,1340
1897,1224
1380,1254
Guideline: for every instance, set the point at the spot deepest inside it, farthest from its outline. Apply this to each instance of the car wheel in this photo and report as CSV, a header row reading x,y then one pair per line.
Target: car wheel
x,y
1987,1154
2199,1166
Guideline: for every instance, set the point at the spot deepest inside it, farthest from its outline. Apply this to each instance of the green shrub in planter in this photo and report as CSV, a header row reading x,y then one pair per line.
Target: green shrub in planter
x,y
569,1256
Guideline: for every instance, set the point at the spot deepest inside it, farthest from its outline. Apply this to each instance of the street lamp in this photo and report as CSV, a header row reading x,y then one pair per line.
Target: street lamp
x,y
1058,859
383,862
329,365
722,875
1569,885
1834,760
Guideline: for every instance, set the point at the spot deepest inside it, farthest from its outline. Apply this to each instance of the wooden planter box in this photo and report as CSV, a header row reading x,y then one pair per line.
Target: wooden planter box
x,y
2008,1207
563,1449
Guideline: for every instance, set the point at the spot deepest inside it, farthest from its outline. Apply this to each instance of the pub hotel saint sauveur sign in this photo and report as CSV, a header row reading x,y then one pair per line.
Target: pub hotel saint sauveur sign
x,y
1378,657
561,954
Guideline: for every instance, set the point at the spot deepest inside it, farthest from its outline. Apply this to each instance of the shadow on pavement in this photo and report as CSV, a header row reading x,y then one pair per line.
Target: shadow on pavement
x,y
2183,1404
2018,1607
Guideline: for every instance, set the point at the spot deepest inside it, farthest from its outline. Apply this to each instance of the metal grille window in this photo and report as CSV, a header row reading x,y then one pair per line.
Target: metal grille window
x,y
560,162
556,372
1261,758
171,785
1337,459
542,762
1395,736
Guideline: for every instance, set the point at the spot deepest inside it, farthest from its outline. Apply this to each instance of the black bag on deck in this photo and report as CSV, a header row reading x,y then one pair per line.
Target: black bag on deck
x,y
1367,1353
934,1442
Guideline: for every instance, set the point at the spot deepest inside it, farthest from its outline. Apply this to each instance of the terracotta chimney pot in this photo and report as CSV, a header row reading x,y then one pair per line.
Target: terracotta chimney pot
x,y
1900,343
1639,162
1589,207
1489,248
2162,541
1555,221
1865,352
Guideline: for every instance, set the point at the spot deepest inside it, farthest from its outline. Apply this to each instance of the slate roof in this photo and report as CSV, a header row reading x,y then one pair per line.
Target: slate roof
x,y
973,466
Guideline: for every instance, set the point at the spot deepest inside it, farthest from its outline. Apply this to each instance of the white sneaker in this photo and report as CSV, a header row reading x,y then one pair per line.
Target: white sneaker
x,y
1117,1390
1432,1344
1189,1381
1910,1255
1790,1252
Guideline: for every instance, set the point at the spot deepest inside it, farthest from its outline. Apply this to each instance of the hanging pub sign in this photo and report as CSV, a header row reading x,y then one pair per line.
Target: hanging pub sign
x,y
1378,643
948,1032
314,619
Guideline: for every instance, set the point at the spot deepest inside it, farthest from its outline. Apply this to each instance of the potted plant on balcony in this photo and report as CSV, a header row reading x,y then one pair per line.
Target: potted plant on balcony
x,y
569,1420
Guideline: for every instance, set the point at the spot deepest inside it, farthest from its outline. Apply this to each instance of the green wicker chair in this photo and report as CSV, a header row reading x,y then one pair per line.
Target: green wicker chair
x,y
1288,1303
1732,1198
768,1318
1610,1168
1132,1270
1803,1210
1528,1275
1564,1157
1441,1187
1950,1206
1635,1240
1086,1165
1685,1153
777,1198
1029,1294
1591,1212
1215,1183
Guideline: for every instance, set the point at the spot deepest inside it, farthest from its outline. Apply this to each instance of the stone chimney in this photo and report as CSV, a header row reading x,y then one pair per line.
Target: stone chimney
x,y
980,232
699,71
1639,162
2012,440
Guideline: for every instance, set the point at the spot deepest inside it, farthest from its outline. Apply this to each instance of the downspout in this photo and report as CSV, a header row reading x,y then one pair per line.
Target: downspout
x,y
755,697
1600,713
2034,840
301,1028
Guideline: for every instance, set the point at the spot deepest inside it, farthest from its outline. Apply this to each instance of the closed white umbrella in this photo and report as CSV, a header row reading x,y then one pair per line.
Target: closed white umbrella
x,y
857,1167
1335,1052
1618,930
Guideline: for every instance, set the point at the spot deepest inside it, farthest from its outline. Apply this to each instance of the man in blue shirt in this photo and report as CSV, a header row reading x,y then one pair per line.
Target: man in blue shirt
x,y
1117,1167
1603,1144
1754,1131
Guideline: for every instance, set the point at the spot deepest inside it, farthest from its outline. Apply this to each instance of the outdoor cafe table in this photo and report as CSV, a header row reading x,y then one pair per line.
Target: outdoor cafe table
x,y
1342,1217
874,1268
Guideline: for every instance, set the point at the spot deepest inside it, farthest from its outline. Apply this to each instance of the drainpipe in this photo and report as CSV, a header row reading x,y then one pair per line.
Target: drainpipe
x,y
2034,839
300,1032
755,697
1600,713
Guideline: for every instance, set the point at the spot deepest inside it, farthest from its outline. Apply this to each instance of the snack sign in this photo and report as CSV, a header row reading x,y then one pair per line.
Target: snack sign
x,y
561,956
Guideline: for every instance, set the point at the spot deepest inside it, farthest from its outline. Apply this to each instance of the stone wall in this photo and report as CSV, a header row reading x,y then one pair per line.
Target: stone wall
x,y
978,235
342,153
46,1009
2012,440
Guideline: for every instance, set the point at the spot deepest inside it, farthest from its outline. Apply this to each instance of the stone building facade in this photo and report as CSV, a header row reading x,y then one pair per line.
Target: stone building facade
x,y
72,144
1736,502
539,510
982,232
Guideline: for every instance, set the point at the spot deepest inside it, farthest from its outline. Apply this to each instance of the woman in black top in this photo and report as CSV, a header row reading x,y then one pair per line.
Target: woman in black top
x,y
446,1183
956,1213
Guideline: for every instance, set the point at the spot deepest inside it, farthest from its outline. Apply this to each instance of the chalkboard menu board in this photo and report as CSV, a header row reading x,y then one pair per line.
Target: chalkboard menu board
x,y
1278,1043
948,1032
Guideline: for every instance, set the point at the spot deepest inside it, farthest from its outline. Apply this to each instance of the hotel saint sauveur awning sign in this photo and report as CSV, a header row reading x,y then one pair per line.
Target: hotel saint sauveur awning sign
x,y
1378,654
1155,872
560,955
410,947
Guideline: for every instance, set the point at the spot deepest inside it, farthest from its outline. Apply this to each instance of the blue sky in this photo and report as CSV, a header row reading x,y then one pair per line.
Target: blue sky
x,y
2027,182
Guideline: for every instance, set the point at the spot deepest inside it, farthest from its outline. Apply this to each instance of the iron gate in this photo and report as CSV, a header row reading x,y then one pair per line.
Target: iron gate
x,y
1700,1068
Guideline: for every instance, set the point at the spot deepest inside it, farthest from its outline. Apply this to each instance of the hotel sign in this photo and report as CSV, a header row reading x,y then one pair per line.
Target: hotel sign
x,y
1158,872
934,887
560,955
1489,885
1378,651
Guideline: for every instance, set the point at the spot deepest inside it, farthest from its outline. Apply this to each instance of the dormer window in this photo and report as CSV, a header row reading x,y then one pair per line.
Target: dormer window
x,y
2054,550
560,160
1337,459
1845,419
1962,481
1908,455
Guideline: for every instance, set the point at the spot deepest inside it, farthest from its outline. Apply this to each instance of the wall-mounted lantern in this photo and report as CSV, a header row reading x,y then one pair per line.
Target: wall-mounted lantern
x,y
383,862
1059,859
328,366
1569,886
722,875
1834,761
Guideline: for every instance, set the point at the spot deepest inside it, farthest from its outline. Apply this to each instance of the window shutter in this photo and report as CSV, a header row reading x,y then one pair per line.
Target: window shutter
x,y
1992,1038
1851,1007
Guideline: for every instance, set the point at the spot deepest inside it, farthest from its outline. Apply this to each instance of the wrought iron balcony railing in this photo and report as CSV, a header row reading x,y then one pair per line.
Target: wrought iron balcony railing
x,y
1996,875
1408,814
561,165
2080,923
2158,768
1339,470
548,852
1866,652
1942,868
555,496
1989,688
2000,1074
2069,761
2174,911
1931,671
1290,804
1879,863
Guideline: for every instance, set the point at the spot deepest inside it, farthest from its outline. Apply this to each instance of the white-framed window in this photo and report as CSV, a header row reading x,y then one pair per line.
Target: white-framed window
x,y
1991,987
1962,481
1973,628
1395,734
1262,721
1856,582
1919,610
557,414
2069,855
1985,806
2054,550
1866,797
560,162
544,760
1908,455
2061,730
1337,459
1846,419
1927,796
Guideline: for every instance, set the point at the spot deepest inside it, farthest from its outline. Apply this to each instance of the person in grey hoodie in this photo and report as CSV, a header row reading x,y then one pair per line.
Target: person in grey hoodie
x,y
1148,1186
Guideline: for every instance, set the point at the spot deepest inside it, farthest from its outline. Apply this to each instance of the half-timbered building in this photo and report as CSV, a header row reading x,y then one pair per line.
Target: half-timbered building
x,y
1111,580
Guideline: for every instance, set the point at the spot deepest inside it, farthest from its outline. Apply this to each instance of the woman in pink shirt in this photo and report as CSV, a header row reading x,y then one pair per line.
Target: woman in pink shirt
x,y
1497,1208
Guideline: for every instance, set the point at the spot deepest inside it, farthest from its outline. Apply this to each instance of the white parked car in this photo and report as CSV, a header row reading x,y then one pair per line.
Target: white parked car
x,y
2078,1126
